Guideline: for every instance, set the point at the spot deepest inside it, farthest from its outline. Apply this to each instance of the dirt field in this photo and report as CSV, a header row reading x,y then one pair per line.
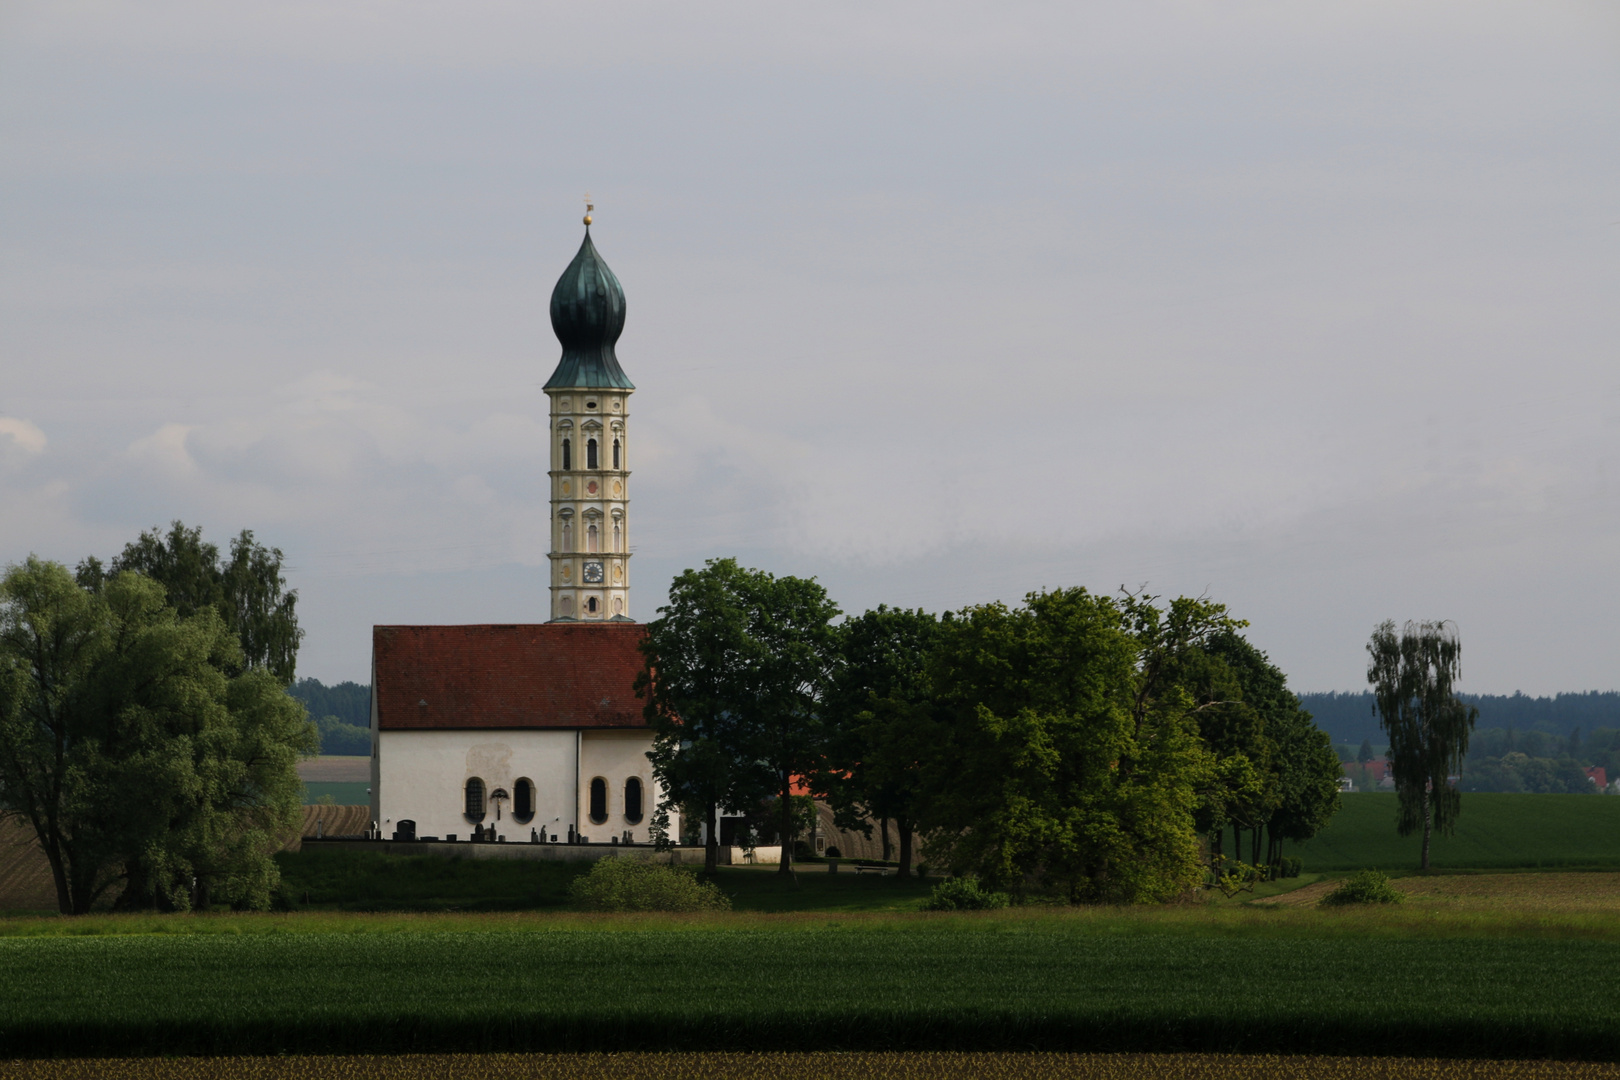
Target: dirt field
x,y
335,770
1564,892
911,1066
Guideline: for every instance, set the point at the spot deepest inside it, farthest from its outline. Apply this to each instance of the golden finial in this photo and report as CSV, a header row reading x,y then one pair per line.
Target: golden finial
x,y
589,206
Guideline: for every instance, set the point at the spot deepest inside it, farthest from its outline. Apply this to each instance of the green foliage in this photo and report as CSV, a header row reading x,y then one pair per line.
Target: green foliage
x,y
138,746
1413,676
742,661
1498,832
340,738
624,885
1289,866
1123,984
877,736
1363,887
349,702
245,588
1515,771
964,894
1056,757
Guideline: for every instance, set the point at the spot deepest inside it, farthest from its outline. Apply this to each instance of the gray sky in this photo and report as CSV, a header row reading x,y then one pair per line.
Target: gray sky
x,y
1308,307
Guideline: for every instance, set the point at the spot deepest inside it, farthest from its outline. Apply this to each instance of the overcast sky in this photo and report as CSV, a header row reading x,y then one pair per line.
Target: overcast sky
x,y
1309,307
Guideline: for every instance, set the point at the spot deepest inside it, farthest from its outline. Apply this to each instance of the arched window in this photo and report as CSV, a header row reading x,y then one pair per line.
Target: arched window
x,y
590,537
523,801
615,453
632,800
590,453
568,536
568,454
590,605
618,538
475,799
598,808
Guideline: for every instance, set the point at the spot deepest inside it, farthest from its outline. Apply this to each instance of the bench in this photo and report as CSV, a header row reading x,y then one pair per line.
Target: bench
x,y
880,870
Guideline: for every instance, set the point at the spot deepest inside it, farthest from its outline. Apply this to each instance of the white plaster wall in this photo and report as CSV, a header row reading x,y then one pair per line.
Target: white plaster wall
x,y
422,775
616,756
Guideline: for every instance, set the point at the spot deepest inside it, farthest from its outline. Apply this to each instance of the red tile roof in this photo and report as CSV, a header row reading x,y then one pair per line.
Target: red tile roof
x,y
551,675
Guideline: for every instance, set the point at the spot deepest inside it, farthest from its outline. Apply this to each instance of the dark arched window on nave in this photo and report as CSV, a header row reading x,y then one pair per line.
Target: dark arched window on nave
x,y
598,807
632,800
523,801
475,799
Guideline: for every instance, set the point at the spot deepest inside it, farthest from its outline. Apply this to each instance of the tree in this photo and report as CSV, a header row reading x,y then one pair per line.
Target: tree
x,y
246,589
878,728
136,745
697,683
1365,754
1412,674
1053,761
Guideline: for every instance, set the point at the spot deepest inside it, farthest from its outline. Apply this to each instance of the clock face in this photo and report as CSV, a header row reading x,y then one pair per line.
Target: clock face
x,y
593,573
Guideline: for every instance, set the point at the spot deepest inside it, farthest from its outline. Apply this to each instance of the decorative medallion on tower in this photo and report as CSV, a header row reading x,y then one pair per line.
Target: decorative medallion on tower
x,y
590,449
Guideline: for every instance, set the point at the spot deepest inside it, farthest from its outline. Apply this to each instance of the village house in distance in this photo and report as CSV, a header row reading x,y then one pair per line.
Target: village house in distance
x,y
533,732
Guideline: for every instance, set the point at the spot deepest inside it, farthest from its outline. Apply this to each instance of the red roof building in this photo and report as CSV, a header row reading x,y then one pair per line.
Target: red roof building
x,y
502,677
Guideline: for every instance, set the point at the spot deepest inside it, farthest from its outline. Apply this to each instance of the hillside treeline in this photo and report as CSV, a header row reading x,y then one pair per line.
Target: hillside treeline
x,y
342,714
1350,718
1094,748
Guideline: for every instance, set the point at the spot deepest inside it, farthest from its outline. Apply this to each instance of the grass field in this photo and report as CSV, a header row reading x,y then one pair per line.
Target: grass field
x,y
1404,981
1494,832
327,879
922,1065
343,793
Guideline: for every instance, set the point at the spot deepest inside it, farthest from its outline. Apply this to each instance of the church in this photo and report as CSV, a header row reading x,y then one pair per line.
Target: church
x,y
533,732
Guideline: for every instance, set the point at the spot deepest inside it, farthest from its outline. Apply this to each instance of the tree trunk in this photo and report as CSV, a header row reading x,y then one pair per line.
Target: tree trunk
x,y
904,825
64,899
1254,846
711,841
1237,842
1425,863
786,865
884,828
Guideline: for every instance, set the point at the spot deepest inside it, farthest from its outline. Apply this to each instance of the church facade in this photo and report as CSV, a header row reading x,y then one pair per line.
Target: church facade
x,y
533,732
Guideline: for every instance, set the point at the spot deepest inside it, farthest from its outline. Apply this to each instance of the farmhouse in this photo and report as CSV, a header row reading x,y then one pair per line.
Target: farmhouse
x,y
534,732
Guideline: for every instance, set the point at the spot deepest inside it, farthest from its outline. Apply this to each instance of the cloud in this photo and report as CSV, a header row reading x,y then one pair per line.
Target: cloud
x,y
24,435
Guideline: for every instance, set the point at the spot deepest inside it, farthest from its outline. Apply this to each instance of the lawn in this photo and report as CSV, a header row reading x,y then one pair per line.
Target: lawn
x,y
1493,832
343,793
1190,979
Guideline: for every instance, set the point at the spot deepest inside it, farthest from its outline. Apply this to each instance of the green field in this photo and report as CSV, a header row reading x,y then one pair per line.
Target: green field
x,y
321,878
1194,979
1494,832
342,793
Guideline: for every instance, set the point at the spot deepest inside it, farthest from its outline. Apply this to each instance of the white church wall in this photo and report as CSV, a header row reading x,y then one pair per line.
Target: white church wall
x,y
615,756
422,776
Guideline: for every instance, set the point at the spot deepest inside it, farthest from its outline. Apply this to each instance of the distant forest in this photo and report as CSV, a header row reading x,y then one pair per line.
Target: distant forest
x,y
342,712
1350,718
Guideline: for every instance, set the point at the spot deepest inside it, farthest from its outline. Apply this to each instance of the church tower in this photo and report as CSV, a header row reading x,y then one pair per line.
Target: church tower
x,y
590,454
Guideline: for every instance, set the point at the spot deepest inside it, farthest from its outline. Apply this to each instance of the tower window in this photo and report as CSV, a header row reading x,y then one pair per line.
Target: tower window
x,y
523,801
568,536
598,807
632,800
590,453
590,605
618,538
615,453
590,404
474,807
590,537
568,454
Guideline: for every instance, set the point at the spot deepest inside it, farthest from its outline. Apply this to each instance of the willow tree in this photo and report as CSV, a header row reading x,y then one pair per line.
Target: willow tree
x,y
1412,674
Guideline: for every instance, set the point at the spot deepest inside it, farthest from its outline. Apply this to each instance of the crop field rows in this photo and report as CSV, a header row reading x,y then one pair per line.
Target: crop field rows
x,y
810,1066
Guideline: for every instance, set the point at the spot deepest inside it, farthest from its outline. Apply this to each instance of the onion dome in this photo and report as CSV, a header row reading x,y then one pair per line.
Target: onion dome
x,y
587,314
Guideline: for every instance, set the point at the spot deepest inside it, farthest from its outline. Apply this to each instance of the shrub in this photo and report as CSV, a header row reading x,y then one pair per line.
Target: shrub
x,y
1288,866
963,894
834,853
1364,887
622,885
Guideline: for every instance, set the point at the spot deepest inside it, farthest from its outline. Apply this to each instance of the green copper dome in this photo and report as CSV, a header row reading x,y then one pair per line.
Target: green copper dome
x,y
587,314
